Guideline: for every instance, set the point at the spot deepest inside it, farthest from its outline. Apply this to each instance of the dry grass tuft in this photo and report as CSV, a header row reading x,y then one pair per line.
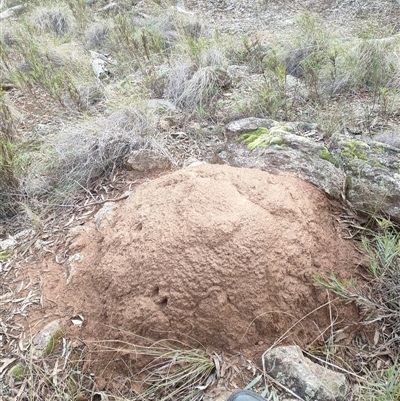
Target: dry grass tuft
x,y
54,20
97,34
81,153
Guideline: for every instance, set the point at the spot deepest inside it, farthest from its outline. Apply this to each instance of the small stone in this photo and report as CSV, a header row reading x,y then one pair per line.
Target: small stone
x,y
101,383
305,378
146,160
8,243
247,125
43,338
81,397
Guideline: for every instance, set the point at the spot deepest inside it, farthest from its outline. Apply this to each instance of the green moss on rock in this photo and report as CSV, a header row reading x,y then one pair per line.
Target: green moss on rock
x,y
354,150
324,154
53,341
263,137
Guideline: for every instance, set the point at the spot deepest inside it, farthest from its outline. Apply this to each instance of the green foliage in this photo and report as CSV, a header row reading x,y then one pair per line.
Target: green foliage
x,y
383,251
380,298
39,68
5,255
140,47
274,97
54,339
382,385
175,371
196,47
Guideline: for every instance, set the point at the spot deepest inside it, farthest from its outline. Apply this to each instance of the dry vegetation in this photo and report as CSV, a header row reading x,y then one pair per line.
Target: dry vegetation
x,y
62,128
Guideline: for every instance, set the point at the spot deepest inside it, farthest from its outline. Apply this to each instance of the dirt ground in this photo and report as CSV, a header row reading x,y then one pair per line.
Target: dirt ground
x,y
215,255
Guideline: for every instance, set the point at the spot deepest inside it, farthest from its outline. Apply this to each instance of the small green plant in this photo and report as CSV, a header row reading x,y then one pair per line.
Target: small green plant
x,y
382,249
380,298
5,255
141,47
382,385
274,97
40,69
17,372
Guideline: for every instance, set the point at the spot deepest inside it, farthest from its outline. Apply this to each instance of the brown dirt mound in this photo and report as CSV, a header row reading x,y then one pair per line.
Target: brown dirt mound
x,y
222,255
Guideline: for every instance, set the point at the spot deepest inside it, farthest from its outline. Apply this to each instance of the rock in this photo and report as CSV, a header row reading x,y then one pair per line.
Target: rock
x,y
99,68
145,160
372,175
25,234
10,12
237,73
305,378
294,154
105,211
9,243
246,125
42,340
367,174
296,85
161,106
389,138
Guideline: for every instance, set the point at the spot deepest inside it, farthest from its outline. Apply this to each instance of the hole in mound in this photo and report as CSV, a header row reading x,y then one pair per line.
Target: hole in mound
x,y
164,302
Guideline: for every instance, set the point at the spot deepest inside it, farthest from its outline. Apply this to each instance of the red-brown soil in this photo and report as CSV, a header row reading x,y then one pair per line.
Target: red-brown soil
x,y
212,254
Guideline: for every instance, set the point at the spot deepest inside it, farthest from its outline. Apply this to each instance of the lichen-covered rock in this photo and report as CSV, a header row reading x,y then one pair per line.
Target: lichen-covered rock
x,y
305,378
367,174
44,340
373,175
291,153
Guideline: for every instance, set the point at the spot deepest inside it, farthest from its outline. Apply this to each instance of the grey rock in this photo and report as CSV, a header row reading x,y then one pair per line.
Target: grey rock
x,y
9,243
297,86
246,125
44,336
105,211
25,234
146,160
161,106
390,138
237,73
296,155
366,173
372,175
10,12
305,378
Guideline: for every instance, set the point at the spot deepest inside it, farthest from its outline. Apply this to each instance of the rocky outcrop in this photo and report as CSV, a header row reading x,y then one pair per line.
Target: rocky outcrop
x,y
366,173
